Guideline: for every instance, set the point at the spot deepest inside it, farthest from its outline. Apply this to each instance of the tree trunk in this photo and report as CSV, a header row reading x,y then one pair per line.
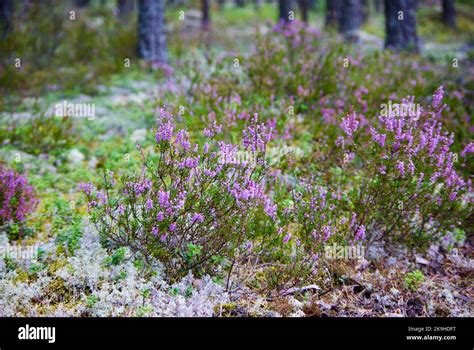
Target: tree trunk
x,y
206,19
125,8
151,31
284,11
400,24
6,14
351,16
365,10
82,3
240,3
449,13
333,12
304,6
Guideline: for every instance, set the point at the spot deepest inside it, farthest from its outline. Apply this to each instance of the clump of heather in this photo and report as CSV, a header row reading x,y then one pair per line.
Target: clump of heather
x,y
408,188
192,205
17,198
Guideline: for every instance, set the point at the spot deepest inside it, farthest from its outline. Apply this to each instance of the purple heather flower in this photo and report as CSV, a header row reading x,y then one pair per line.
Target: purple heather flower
x,y
149,204
197,218
349,124
468,149
360,233
401,168
438,96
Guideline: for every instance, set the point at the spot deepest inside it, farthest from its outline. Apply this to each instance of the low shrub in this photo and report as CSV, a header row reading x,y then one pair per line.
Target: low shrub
x,y
17,200
191,207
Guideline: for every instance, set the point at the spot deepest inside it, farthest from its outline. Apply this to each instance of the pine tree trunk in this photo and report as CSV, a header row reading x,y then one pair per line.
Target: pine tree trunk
x,y
284,10
351,16
82,3
6,14
304,6
400,24
206,19
125,8
151,31
365,10
449,13
333,12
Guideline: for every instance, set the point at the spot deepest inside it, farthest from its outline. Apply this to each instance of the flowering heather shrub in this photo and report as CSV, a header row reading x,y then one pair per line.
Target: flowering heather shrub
x,y
17,198
191,206
408,188
40,134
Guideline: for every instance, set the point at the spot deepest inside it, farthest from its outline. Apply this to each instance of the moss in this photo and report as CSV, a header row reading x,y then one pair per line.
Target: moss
x,y
22,276
225,310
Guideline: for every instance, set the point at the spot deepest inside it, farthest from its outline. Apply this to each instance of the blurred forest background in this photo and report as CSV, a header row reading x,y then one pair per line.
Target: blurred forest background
x,y
74,44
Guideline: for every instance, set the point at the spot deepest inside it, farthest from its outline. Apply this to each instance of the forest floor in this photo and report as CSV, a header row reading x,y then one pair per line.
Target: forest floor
x,y
71,274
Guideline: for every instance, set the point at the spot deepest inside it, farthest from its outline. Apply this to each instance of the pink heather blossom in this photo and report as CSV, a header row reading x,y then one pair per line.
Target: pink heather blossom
x,y
149,204
17,198
468,149
349,124
164,131
379,138
197,218
438,96
401,168
163,199
360,233
256,136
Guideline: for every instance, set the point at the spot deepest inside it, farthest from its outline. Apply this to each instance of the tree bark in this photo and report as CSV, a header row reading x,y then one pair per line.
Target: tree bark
x,y
206,16
365,9
151,31
125,8
400,25
284,11
82,3
304,6
333,12
6,15
449,13
351,16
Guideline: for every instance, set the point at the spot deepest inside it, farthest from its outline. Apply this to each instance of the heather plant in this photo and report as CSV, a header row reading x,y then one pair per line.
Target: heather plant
x,y
17,200
407,188
191,206
40,133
